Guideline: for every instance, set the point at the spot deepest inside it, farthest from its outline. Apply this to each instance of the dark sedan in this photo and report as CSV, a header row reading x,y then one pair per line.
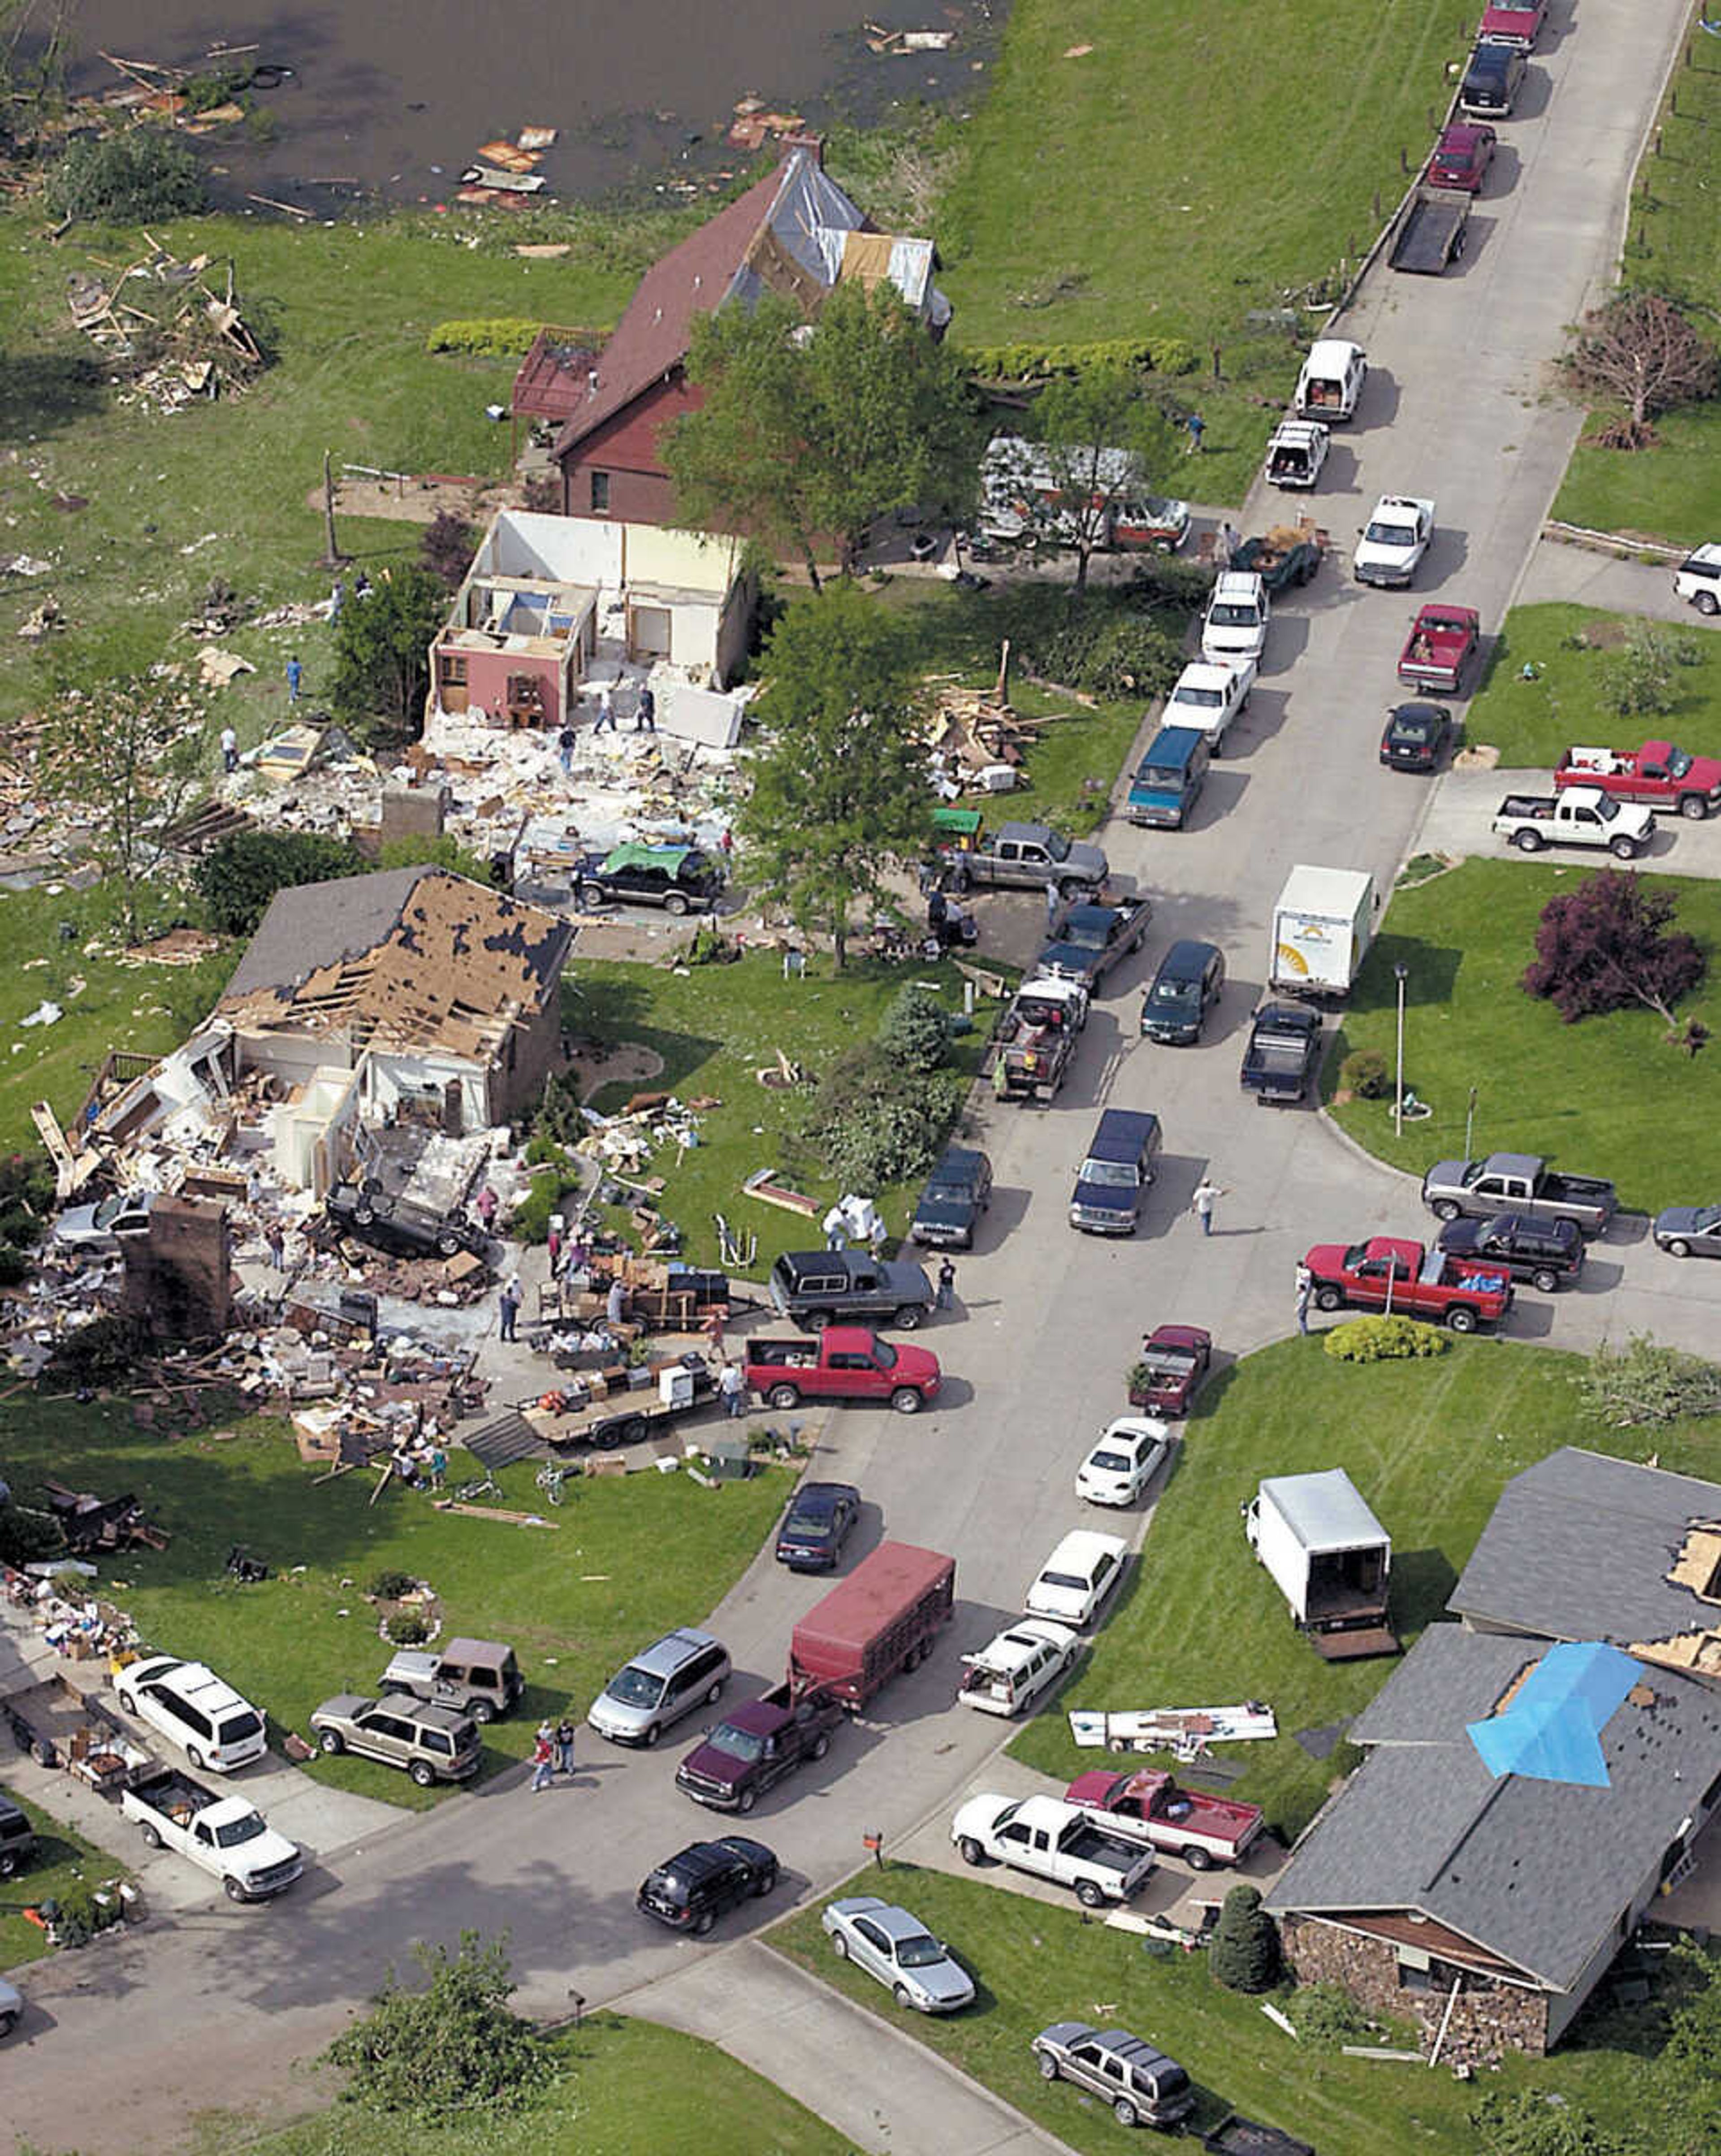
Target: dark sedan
x,y
1689,1231
1417,737
1175,1359
820,1519
692,1890
1462,156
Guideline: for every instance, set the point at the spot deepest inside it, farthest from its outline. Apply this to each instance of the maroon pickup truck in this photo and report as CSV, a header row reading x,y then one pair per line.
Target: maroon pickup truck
x,y
1658,775
845,1363
1440,646
755,1745
1384,1273
1150,1807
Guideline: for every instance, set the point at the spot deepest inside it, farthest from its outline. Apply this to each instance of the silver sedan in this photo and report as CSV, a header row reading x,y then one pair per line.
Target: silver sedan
x,y
897,1948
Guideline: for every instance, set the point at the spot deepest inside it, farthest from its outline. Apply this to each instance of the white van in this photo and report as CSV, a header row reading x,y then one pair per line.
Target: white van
x,y
195,1709
1332,378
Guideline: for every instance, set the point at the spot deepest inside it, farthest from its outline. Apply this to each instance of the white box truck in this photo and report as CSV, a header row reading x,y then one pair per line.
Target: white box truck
x,y
1331,1558
1322,927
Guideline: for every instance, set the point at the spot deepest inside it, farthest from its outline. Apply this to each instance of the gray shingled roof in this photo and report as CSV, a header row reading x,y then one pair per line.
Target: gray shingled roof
x,y
315,924
1536,1873
1579,1548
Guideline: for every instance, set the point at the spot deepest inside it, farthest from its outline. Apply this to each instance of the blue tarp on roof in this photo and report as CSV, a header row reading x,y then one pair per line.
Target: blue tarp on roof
x,y
1552,1730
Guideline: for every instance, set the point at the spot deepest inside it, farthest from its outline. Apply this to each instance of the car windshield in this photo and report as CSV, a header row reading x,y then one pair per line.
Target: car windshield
x,y
1175,992
1708,1217
238,1831
1380,533
1086,935
1607,807
1169,776
1678,763
1232,614
109,1211
1413,726
922,1951
808,1520
1109,1175
1191,692
634,1687
739,1743
884,1355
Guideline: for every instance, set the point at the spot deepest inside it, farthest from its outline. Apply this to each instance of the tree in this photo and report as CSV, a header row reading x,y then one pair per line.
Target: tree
x,y
812,431
1103,442
1644,1385
1606,946
238,878
1639,684
1639,352
839,777
916,1030
447,548
455,2048
131,176
383,649
131,751
1244,1955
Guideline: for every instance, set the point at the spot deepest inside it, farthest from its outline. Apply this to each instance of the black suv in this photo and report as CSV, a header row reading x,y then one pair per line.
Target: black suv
x,y
18,1838
680,879
1546,1253
957,1191
396,1224
692,1891
827,1287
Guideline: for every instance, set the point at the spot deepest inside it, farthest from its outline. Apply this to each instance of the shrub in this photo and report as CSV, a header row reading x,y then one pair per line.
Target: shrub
x,y
14,1265
390,1586
916,1028
78,1916
1326,2013
447,548
1363,1073
499,337
132,177
1244,1953
103,1351
27,1537
439,851
1536,2122
238,878
1036,362
381,650
408,1628
1610,945
873,1122
1643,1385
1383,1339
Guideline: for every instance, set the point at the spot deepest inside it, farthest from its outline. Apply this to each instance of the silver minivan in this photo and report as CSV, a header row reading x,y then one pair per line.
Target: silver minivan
x,y
682,1671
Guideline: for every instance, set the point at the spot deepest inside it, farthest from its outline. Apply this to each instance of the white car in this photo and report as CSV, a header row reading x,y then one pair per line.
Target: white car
x,y
1077,1577
1235,624
194,1709
887,1942
1124,1461
1698,578
97,1229
1012,1672
11,2008
1209,695
1393,541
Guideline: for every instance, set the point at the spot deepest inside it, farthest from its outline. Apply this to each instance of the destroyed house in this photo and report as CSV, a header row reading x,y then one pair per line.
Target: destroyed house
x,y
793,233
411,992
1484,1901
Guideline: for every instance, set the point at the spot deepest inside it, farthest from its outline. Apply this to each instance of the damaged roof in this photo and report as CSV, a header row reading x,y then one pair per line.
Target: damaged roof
x,y
407,958
1582,1547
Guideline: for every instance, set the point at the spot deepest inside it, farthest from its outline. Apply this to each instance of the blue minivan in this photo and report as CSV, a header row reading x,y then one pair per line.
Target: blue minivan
x,y
1122,1160
1169,779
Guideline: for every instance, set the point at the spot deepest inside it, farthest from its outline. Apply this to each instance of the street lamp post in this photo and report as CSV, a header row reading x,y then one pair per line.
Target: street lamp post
x,y
1400,971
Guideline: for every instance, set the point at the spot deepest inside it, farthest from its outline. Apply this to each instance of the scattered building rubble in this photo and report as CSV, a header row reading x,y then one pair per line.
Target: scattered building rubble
x,y
178,337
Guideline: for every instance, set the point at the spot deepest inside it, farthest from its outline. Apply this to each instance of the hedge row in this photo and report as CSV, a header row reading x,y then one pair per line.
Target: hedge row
x,y
501,336
1034,362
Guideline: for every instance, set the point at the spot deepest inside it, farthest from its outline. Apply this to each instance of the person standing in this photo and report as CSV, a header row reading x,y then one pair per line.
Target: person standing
x,y
1196,427
615,1307
543,1758
1305,1292
337,599
1051,905
728,844
946,1285
715,1320
565,741
564,1745
645,712
606,710
438,1466
509,1304
229,749
275,1238
836,1229
1207,1193
486,1207
552,1244
732,1390
295,676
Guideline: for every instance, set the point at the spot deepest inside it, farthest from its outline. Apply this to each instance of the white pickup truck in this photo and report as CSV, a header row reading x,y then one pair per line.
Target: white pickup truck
x,y
1393,541
1053,1840
1577,816
1698,578
229,1837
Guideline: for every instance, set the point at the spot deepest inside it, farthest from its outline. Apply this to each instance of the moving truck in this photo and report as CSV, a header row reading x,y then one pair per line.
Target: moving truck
x,y
883,1618
1322,927
1330,1557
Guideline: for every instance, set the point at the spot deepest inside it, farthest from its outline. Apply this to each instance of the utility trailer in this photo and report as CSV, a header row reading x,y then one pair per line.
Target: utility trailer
x,y
1431,231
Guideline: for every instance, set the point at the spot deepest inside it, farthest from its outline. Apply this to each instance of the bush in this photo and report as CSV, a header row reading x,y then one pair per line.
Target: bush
x,y
501,336
1244,1953
439,852
1644,1385
1533,2123
14,1265
1363,1073
916,1028
447,548
1383,1339
390,1586
383,650
78,1916
873,1122
1639,683
238,878
27,1537
407,1627
132,177
103,1351
1326,2013
1036,362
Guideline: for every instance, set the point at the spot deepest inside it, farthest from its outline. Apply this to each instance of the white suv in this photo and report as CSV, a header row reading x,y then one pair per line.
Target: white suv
x,y
1698,578
1235,624
196,1710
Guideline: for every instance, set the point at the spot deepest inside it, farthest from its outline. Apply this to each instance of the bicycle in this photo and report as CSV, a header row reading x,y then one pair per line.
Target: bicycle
x,y
481,1486
551,1480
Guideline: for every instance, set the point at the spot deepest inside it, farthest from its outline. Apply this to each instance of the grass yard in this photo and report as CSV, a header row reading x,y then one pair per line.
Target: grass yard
x,y
1672,492
628,2089
1035,1964
715,1027
1572,647
1600,1098
60,1859
1430,1445
573,1600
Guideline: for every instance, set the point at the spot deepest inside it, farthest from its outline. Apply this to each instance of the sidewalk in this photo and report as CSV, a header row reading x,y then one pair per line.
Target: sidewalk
x,y
1575,574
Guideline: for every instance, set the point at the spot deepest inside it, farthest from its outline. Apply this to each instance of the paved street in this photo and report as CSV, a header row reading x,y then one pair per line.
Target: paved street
x,y
125,2042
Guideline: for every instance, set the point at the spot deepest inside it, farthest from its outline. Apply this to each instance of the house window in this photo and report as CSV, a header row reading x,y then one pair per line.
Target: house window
x,y
452,666
600,491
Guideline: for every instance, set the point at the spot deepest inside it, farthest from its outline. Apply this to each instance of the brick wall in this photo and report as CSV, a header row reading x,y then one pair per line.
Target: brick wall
x,y
515,1093
180,1275
1486,2021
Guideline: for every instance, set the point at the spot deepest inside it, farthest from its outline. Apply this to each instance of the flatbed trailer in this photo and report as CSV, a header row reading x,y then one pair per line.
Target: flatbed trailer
x,y
1431,234
622,1417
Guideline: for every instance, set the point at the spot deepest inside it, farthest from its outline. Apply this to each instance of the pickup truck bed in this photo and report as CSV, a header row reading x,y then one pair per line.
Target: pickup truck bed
x,y
1432,232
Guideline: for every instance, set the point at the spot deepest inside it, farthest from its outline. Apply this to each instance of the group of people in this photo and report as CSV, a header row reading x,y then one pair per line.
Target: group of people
x,y
645,719
552,1752
419,1461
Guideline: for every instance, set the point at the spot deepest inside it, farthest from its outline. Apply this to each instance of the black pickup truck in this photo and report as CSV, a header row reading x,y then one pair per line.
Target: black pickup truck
x,y
1283,1055
755,1745
1092,939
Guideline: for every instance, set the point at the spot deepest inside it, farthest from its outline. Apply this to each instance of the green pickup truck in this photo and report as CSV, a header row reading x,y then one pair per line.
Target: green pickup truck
x,y
1279,567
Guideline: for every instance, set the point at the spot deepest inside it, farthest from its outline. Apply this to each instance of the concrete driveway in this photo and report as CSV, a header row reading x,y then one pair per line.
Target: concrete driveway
x,y
121,2049
1462,807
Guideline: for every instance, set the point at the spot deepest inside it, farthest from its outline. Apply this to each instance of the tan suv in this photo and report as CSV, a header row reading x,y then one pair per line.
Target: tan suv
x,y
432,1744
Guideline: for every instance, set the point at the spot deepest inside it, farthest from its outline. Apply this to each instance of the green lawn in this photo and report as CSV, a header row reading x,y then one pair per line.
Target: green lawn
x,y
61,1858
573,1600
1573,649
1036,1964
1430,1445
1599,1098
1672,492
715,1028
628,2089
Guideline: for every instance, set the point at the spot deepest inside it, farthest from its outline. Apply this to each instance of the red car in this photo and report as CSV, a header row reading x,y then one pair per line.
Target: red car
x,y
1519,25
1175,1359
1385,1273
1463,155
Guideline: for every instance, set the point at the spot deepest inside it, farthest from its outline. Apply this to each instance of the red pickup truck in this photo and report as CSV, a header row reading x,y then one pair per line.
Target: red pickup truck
x,y
1150,1807
1520,25
1385,1273
1439,647
845,1363
1658,775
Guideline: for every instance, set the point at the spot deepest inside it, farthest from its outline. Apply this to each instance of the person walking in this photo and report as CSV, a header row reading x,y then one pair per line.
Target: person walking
x,y
508,1305
438,1467
732,1390
275,1238
543,1758
1225,545
1206,1195
946,1285
565,741
229,749
295,676
1196,427
552,1245
485,1208
715,1320
564,1745
606,710
645,712
1305,1293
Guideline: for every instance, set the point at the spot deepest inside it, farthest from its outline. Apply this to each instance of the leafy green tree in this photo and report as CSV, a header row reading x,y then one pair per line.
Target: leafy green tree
x,y
238,878
875,1121
1644,1384
1104,443
1244,1955
916,1031
452,2050
813,431
838,779
382,649
131,176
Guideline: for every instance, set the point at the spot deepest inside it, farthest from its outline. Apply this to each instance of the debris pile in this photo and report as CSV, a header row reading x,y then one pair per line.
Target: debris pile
x,y
178,338
503,174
